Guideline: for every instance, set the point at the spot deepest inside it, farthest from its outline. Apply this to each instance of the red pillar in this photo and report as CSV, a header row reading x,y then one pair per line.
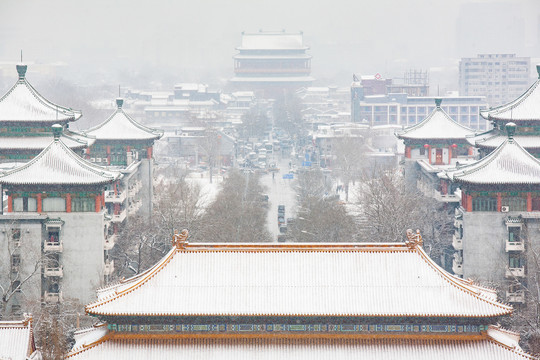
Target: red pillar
x,y
499,201
529,202
10,203
68,203
444,187
469,203
450,154
102,199
108,155
149,152
39,203
98,203
429,153
408,152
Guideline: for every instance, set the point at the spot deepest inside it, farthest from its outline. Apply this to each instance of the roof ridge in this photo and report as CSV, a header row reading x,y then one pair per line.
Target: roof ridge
x,y
512,104
429,118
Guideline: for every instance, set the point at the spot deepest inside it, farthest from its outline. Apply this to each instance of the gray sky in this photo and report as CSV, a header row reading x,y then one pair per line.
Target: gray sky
x,y
166,40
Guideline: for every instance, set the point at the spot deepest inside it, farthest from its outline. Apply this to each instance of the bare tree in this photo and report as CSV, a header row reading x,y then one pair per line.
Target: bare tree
x,y
237,214
19,271
210,145
388,207
349,159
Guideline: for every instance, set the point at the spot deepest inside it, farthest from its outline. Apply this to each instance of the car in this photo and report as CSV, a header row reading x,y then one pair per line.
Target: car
x,y
282,238
283,229
281,209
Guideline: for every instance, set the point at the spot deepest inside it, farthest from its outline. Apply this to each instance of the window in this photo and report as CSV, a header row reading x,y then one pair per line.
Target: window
x,y
15,262
515,261
83,205
54,204
15,286
515,203
484,203
513,234
25,204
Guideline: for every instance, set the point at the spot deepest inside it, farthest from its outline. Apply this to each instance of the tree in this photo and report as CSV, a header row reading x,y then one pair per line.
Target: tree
x,y
19,270
210,144
349,159
237,214
254,123
321,216
388,207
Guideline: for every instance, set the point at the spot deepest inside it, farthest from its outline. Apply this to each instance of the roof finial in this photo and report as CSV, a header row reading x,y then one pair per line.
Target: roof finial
x,y
119,102
438,102
180,240
57,131
510,130
413,239
21,69
538,70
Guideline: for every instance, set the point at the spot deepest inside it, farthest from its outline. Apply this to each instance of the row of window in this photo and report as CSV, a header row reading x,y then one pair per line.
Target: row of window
x,y
53,204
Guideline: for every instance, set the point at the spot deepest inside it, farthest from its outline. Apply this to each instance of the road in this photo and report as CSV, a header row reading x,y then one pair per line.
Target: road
x,y
280,192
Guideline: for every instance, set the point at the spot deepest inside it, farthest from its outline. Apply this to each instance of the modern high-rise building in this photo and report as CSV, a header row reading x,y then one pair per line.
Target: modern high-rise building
x,y
270,61
498,77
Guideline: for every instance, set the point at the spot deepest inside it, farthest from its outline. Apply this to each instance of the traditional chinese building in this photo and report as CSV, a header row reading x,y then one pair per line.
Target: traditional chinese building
x,y
17,340
125,145
497,226
257,301
436,143
26,118
524,111
55,229
270,61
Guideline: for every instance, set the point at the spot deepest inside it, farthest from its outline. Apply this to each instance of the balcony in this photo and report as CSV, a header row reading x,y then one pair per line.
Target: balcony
x,y
110,240
54,271
516,297
53,298
457,265
54,246
119,218
110,197
457,242
515,246
109,268
515,272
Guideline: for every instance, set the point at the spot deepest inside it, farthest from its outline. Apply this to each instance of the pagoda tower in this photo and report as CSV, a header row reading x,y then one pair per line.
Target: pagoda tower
x,y
256,301
497,223
524,112
26,118
125,145
56,219
436,143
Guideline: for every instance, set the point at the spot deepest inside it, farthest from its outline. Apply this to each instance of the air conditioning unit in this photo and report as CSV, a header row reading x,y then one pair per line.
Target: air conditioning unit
x,y
505,208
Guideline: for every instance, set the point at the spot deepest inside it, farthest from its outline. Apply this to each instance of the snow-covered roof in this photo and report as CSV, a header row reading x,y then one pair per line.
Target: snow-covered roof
x,y
437,125
296,280
120,126
510,163
495,344
272,56
57,164
72,140
493,138
16,339
524,108
22,103
272,40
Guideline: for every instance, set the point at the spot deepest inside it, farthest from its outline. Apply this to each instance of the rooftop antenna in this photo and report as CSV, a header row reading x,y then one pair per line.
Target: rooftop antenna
x,y
21,56
118,90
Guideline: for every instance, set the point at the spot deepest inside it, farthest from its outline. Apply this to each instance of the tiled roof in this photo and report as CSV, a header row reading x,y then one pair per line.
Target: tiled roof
x,y
493,138
57,164
510,163
72,140
437,125
22,103
486,346
297,280
524,108
120,126
16,340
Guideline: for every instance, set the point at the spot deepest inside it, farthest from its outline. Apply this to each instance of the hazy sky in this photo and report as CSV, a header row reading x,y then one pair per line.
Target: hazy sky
x,y
113,41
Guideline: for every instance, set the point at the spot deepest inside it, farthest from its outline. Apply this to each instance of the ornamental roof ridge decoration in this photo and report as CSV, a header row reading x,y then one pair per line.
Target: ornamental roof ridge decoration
x,y
121,126
23,103
219,264
437,125
57,164
525,108
509,163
